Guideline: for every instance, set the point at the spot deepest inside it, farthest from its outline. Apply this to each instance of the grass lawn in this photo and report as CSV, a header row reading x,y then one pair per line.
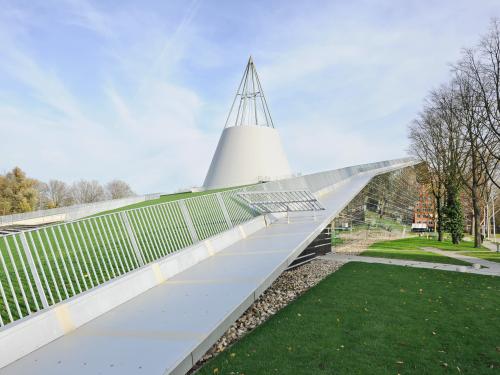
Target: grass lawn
x,y
487,255
164,199
410,249
414,243
377,319
416,255
336,240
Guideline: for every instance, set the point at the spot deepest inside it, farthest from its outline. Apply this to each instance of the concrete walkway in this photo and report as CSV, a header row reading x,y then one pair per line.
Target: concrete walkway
x,y
411,263
490,245
168,328
466,258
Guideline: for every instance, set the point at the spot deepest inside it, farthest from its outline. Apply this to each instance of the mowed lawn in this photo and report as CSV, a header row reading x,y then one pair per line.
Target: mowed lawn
x,y
377,319
164,199
411,249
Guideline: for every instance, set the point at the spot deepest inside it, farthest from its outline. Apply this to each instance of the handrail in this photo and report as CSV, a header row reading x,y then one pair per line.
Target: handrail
x,y
45,266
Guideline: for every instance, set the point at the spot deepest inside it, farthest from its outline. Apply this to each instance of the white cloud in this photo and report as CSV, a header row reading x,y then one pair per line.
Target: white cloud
x,y
345,82
84,14
149,136
342,80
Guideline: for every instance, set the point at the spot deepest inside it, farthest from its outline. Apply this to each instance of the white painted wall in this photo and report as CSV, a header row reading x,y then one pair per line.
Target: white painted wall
x,y
247,155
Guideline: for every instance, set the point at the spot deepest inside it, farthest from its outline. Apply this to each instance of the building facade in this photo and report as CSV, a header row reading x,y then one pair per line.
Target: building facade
x,y
424,212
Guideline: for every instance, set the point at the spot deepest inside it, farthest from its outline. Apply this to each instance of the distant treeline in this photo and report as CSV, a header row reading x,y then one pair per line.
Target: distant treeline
x,y
19,193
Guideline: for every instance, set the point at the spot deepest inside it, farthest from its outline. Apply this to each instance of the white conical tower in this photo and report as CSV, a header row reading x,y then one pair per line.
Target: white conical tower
x,y
249,149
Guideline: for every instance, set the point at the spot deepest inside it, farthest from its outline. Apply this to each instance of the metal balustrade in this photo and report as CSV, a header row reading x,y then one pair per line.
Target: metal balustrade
x,y
42,267
73,212
317,181
281,201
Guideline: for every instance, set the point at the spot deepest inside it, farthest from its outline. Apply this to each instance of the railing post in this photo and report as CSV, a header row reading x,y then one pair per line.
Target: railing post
x,y
224,210
34,271
187,219
132,238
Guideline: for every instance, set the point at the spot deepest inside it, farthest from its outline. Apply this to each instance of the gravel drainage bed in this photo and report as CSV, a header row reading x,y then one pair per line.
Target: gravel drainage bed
x,y
288,286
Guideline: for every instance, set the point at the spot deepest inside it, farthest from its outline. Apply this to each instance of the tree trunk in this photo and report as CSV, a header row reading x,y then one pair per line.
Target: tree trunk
x,y
454,218
474,189
439,222
477,217
382,208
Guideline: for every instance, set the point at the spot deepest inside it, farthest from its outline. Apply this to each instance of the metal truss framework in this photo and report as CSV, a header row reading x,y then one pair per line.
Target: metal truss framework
x,y
281,201
249,105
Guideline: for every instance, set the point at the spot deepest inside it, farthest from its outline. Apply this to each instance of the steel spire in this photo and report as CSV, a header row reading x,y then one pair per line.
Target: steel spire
x,y
249,106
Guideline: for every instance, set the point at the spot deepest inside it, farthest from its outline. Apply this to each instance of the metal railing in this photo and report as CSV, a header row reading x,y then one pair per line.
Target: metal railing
x,y
317,181
42,267
73,212
281,201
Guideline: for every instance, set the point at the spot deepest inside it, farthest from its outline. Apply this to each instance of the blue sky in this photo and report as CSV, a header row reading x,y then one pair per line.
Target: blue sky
x,y
140,90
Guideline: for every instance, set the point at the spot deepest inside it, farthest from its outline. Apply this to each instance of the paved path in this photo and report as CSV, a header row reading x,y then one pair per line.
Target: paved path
x,y
411,263
466,258
490,245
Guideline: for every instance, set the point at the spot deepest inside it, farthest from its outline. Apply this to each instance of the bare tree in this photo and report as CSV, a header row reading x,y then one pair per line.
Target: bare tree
x,y
56,193
85,191
480,66
458,134
436,140
119,189
444,103
469,114
426,136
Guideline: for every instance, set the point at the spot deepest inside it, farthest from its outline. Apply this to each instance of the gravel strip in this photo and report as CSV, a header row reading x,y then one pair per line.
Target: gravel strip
x,y
288,286
357,242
